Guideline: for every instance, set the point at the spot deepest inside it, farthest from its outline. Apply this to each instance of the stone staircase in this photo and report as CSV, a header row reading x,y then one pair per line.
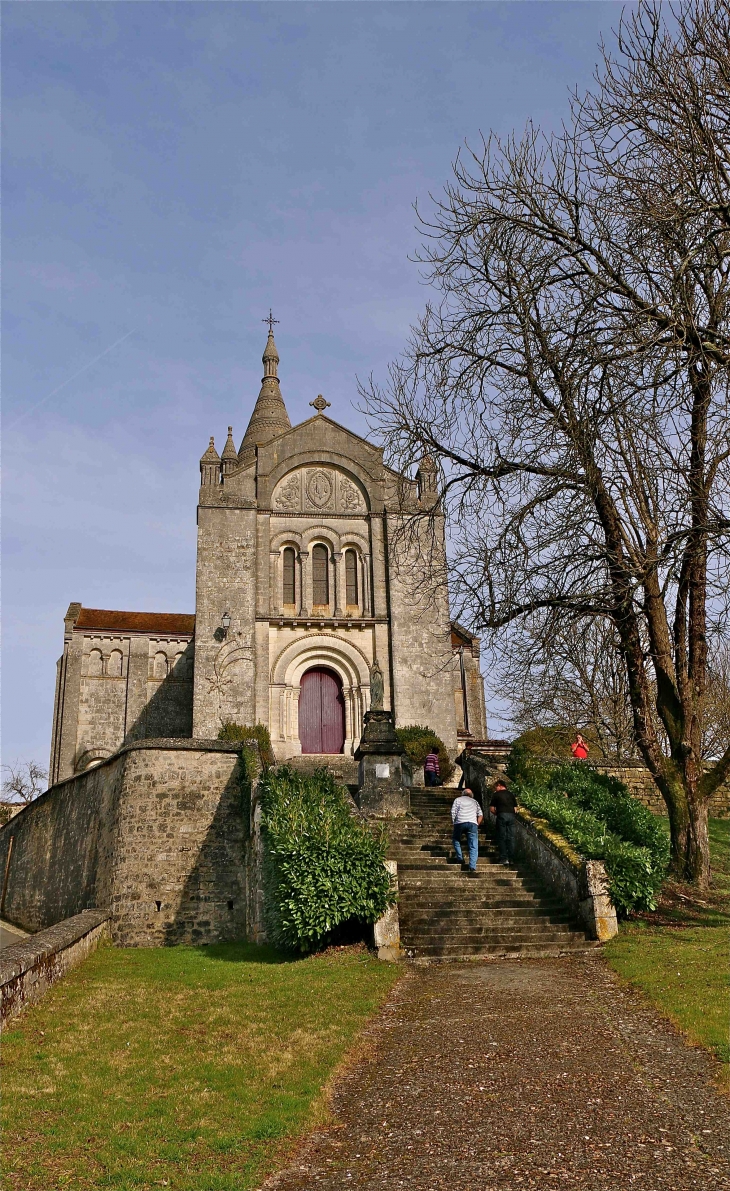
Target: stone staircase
x,y
446,914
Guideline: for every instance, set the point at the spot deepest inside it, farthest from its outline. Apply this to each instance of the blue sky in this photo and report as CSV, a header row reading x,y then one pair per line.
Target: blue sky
x,y
170,171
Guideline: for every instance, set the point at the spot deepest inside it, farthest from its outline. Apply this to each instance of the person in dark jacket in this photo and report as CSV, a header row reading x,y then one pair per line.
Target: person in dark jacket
x,y
503,805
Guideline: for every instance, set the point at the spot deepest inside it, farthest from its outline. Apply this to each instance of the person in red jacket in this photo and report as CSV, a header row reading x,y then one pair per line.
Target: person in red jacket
x,y
579,748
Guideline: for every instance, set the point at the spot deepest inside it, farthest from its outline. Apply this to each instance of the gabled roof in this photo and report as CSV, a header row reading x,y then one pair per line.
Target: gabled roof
x,y
337,425
175,624
460,635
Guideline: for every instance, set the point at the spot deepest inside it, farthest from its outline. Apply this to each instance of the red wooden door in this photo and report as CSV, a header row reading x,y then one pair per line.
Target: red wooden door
x,y
321,712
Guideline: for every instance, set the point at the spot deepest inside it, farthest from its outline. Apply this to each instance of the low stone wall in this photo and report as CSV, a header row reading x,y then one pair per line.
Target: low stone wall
x,y
386,931
581,884
635,776
641,784
30,967
156,833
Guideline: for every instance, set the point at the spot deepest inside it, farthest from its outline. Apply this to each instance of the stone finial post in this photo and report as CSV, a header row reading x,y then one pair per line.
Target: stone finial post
x,y
380,779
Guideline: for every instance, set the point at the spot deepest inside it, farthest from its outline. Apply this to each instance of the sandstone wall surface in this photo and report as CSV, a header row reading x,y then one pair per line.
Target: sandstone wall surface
x,y
156,834
424,668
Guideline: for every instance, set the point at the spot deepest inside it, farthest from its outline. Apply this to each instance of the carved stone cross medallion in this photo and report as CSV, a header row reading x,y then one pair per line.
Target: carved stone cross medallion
x,y
319,488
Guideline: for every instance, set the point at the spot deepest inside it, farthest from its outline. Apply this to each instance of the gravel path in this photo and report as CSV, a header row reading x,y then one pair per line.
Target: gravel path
x,y
510,1075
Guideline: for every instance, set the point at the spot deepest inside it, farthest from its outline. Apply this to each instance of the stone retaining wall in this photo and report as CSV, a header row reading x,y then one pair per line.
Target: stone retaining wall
x,y
30,967
156,833
581,884
641,784
633,774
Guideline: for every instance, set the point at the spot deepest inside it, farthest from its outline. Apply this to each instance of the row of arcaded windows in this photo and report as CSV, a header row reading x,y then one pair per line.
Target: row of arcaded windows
x,y
113,667
320,576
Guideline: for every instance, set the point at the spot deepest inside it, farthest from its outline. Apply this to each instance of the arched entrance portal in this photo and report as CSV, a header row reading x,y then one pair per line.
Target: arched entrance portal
x,y
321,711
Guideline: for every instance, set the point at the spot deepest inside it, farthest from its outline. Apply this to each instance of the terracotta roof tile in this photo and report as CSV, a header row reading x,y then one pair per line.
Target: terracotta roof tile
x,y
178,624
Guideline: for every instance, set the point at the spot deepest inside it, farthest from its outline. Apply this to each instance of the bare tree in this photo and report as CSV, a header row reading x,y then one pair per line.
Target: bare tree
x,y
572,383
25,781
571,679
716,712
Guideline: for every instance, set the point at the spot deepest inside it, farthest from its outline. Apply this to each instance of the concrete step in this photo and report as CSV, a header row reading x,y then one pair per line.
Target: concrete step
x,y
496,951
455,906
494,915
490,931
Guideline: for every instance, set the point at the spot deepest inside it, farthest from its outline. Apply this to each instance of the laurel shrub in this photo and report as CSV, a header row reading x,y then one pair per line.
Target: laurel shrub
x,y
324,868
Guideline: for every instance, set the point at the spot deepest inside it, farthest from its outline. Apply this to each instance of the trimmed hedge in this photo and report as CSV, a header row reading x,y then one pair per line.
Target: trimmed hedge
x,y
418,743
324,867
598,815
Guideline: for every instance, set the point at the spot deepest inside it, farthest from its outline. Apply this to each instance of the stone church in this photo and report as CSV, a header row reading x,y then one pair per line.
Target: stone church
x,y
305,579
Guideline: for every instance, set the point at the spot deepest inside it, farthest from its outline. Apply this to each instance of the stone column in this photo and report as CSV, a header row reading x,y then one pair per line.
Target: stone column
x,y
275,581
340,592
138,665
365,586
305,595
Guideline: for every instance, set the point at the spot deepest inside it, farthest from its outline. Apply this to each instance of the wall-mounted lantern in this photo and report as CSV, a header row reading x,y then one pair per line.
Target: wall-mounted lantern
x,y
221,632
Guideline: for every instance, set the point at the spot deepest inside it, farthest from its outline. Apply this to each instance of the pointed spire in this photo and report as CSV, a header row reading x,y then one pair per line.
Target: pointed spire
x,y
270,356
229,458
211,455
210,466
269,417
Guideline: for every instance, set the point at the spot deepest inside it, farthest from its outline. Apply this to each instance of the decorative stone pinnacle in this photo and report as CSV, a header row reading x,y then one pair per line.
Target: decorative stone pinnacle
x,y
320,404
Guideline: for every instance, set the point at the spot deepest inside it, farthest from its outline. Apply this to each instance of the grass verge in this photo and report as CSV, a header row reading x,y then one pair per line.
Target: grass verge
x,y
181,1067
678,955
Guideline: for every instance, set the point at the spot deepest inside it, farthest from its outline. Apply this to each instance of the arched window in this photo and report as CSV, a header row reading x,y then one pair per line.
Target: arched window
x,y
96,663
351,577
160,665
114,665
290,559
320,576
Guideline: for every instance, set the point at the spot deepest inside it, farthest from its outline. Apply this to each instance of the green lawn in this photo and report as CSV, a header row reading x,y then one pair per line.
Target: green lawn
x,y
679,956
181,1067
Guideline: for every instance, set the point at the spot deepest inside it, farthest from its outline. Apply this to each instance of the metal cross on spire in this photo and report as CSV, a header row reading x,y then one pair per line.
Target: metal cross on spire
x,y
320,404
270,320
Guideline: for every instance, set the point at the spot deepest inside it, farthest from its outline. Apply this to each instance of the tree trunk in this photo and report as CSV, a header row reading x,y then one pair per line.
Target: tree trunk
x,y
697,847
688,822
675,796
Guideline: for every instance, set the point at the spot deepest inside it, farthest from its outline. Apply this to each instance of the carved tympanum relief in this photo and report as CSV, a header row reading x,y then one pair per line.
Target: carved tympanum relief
x,y
318,490
289,493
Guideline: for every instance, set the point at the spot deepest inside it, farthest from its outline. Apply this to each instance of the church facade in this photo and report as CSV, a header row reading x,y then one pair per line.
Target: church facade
x,y
309,572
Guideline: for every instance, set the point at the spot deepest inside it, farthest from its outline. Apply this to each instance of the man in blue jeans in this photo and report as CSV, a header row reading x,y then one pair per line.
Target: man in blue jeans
x,y
466,815
503,805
